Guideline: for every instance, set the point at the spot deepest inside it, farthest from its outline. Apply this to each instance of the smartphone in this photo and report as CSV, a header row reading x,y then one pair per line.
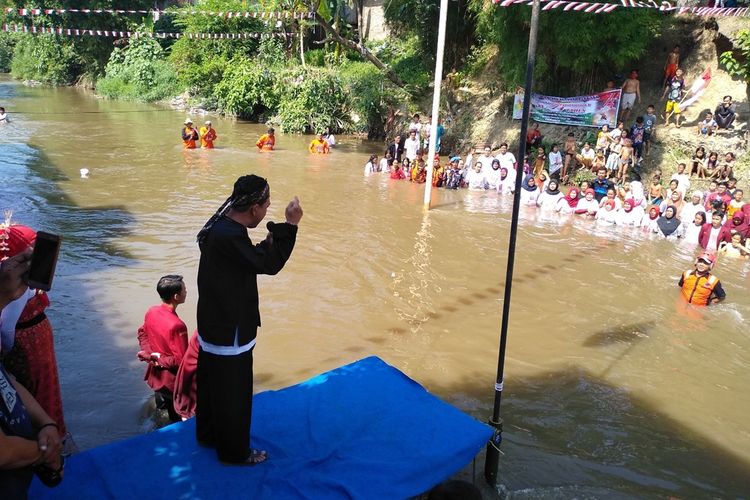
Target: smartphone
x,y
43,261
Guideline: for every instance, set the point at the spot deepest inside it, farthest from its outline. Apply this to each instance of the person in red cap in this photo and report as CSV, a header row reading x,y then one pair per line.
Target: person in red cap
x,y
699,286
26,338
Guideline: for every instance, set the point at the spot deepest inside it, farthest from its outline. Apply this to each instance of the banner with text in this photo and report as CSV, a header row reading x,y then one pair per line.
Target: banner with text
x,y
583,111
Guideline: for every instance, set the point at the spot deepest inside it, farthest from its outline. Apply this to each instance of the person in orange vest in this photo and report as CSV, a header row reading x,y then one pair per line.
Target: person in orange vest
x,y
208,136
189,135
699,286
267,141
319,145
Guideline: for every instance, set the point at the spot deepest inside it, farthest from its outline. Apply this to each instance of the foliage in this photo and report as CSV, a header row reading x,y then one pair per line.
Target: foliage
x,y
574,49
419,18
312,100
138,71
371,95
316,57
46,58
7,44
738,66
584,174
247,89
404,57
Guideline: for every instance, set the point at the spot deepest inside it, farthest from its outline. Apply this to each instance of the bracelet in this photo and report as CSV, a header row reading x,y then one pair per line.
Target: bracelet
x,y
51,424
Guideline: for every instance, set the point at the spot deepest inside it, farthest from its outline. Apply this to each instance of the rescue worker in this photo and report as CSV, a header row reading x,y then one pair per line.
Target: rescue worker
x,y
699,286
208,136
267,141
319,145
189,135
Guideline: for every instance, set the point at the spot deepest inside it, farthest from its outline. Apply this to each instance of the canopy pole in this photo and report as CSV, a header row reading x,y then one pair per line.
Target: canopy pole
x,y
493,447
436,100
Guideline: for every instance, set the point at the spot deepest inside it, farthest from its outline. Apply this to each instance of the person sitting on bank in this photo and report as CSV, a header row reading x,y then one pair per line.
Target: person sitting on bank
x,y
726,113
708,126
319,145
163,342
699,286
189,135
267,141
533,138
208,136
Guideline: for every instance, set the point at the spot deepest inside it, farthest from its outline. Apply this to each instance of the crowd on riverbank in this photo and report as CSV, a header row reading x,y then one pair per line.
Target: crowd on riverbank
x,y
609,189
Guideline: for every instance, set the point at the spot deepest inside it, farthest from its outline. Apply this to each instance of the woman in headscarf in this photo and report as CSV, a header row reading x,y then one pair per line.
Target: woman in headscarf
x,y
551,195
588,206
529,191
648,221
568,203
493,175
27,344
668,225
627,216
507,182
674,200
693,228
542,180
738,224
607,213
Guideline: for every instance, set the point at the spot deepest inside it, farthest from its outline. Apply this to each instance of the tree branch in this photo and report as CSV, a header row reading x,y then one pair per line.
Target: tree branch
x,y
334,36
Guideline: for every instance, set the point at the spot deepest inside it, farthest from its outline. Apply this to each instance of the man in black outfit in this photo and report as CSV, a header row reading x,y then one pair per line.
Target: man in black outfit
x,y
228,315
396,149
726,113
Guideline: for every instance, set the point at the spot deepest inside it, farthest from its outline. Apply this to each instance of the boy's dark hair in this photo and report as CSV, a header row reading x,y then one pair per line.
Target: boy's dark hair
x,y
571,134
270,130
718,213
639,120
723,183
2,109
504,144
169,286
455,490
601,169
731,179
738,190
650,106
729,96
681,164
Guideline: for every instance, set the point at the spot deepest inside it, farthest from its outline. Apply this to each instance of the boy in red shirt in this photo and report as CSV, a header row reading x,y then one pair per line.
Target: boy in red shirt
x,y
163,342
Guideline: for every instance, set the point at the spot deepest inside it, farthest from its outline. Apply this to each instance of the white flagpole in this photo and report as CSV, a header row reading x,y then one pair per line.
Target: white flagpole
x,y
436,100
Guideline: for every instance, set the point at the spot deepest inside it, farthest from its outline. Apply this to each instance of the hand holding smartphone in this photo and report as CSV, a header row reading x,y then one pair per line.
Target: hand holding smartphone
x,y
43,261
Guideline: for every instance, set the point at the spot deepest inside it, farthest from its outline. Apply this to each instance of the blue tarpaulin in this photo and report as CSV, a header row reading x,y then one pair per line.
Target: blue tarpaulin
x,y
363,430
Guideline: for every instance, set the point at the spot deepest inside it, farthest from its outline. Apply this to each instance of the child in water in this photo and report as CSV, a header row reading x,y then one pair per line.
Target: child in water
x,y
735,248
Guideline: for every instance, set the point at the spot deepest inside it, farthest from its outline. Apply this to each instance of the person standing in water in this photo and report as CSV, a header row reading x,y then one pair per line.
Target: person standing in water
x,y
189,135
163,342
228,315
208,136
267,141
699,286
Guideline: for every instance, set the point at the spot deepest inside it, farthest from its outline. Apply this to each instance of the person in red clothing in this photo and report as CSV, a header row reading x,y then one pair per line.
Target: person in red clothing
x,y
721,194
163,342
711,235
26,336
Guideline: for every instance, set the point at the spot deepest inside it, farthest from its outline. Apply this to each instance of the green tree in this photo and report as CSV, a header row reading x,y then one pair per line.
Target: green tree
x,y
576,51
737,61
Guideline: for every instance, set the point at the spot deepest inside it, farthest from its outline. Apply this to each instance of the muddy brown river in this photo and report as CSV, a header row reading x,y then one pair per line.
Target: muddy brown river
x,y
612,387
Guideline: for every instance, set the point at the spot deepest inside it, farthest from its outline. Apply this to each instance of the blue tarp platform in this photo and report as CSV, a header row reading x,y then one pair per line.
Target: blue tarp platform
x,y
363,430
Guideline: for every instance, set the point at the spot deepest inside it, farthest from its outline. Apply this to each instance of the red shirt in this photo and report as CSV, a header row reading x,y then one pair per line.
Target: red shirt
x,y
163,332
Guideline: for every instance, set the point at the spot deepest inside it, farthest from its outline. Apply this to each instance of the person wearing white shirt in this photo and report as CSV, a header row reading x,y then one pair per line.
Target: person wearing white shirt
x,y
505,157
411,146
682,179
493,175
550,196
4,116
692,230
691,208
416,127
555,160
475,178
372,166
384,167
485,159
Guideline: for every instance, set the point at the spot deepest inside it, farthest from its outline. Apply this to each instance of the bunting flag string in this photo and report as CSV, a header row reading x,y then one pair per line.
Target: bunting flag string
x,y
16,28
227,15
605,7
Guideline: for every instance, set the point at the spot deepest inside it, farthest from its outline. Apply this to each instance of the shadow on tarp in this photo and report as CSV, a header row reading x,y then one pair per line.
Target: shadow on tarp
x,y
364,430
571,433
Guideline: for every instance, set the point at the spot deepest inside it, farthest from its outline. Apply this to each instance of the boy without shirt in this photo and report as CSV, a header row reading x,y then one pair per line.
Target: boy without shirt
x,y
671,65
631,89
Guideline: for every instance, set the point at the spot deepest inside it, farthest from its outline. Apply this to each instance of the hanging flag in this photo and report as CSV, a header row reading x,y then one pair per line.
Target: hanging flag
x,y
697,89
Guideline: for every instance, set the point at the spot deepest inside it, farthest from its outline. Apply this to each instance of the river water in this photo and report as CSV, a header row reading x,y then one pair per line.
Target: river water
x,y
612,386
